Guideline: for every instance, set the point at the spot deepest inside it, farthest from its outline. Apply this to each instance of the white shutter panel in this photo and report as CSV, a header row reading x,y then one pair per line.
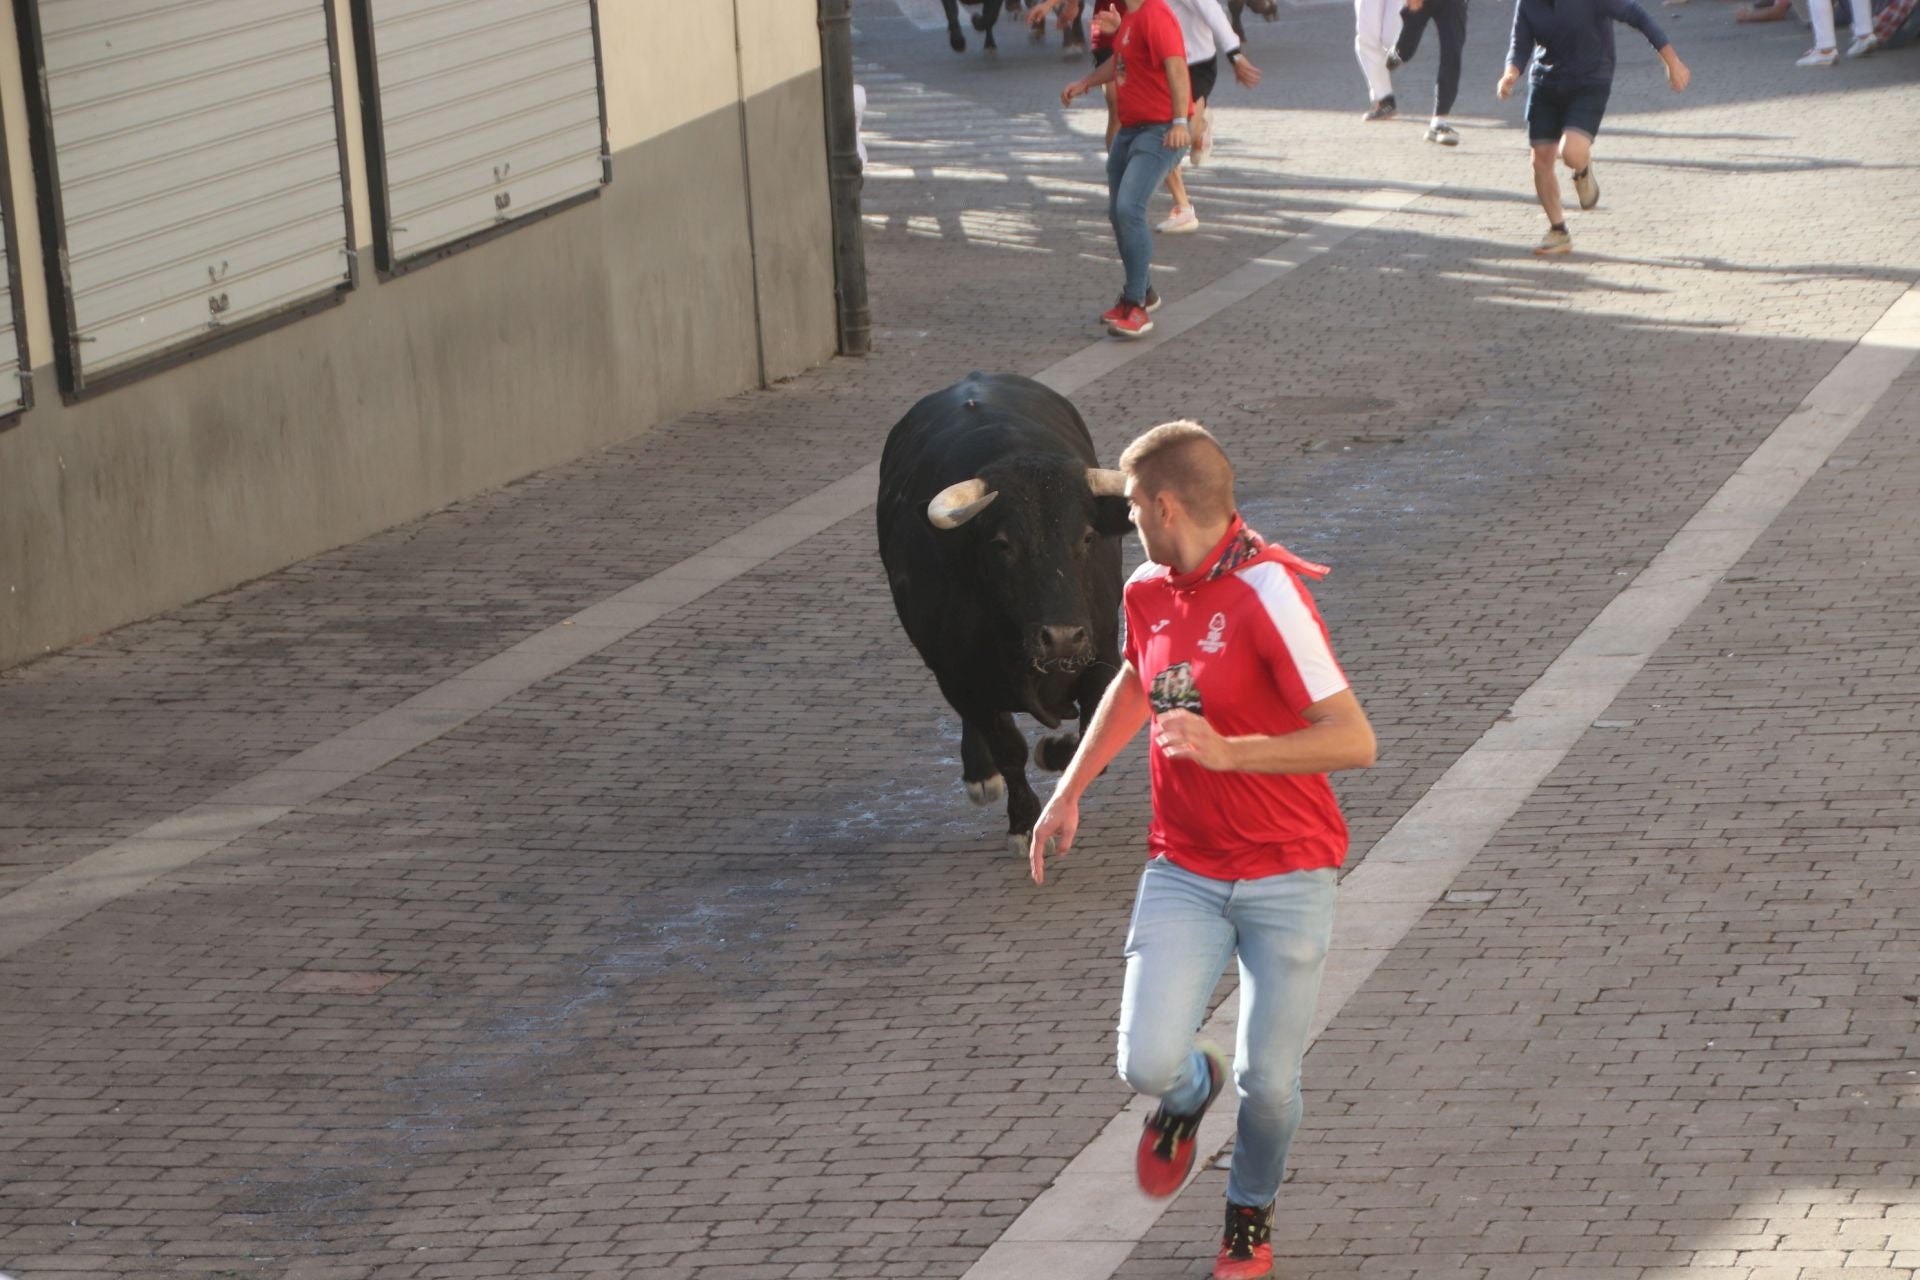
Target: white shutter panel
x,y
488,110
198,154
13,343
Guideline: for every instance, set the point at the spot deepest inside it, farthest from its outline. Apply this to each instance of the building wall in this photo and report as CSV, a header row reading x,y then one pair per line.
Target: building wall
x,y
703,268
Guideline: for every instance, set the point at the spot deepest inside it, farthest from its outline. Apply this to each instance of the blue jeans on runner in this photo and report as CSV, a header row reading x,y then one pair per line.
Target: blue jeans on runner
x,y
1185,928
1136,166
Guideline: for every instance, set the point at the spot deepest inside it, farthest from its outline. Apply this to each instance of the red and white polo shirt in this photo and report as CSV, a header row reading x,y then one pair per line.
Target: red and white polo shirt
x,y
1239,642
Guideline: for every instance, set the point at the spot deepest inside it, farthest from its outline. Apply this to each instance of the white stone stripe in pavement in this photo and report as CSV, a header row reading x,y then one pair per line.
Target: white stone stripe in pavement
x,y
57,899
1085,1225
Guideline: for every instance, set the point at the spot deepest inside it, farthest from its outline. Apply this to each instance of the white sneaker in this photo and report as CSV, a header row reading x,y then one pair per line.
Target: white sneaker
x,y
1863,45
1818,58
1586,186
1182,221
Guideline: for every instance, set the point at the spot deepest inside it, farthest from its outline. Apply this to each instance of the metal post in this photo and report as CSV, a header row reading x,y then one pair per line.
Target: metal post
x,y
746,179
843,176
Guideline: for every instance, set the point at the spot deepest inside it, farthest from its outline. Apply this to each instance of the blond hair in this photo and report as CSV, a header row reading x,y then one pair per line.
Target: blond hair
x,y
1183,458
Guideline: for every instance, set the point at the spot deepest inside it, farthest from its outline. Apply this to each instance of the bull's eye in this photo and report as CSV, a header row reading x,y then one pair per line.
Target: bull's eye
x,y
1001,543
1087,541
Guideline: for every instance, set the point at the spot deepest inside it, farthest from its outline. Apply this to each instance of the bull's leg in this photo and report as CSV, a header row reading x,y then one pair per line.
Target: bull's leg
x,y
1009,747
955,36
1055,751
977,770
984,20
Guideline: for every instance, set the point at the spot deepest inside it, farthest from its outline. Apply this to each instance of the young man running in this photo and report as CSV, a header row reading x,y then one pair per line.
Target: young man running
x,y
1228,657
1449,19
1571,45
1149,68
1376,29
1208,37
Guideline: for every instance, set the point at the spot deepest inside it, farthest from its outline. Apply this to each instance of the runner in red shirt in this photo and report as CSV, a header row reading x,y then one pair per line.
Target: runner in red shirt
x,y
1153,101
1227,655
1102,41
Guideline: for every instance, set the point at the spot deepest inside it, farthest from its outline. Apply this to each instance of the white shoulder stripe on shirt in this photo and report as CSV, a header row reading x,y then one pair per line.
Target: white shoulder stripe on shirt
x,y
1281,597
1147,571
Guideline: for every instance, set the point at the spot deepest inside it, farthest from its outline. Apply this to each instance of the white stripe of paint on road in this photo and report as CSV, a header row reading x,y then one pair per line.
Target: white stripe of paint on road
x,y
55,900
1085,1225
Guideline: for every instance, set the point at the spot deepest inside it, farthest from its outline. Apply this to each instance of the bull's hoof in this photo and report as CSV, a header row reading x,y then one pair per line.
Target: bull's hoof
x,y
1020,844
1055,751
957,39
987,790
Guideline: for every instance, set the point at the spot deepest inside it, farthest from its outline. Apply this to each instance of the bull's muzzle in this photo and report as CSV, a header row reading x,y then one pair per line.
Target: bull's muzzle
x,y
1060,648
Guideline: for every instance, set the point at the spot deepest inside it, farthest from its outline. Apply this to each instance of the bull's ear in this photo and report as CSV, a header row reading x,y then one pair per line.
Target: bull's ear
x,y
1110,517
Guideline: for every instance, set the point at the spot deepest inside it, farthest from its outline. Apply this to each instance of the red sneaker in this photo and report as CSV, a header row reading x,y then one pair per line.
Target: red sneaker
x,y
1246,1250
1165,1155
1136,323
1119,309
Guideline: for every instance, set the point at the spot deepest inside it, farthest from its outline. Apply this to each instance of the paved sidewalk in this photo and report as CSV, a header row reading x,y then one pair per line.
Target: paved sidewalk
x,y
691,960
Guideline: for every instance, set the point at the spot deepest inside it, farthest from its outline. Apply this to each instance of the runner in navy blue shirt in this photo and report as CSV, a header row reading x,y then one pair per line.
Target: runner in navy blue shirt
x,y
1570,43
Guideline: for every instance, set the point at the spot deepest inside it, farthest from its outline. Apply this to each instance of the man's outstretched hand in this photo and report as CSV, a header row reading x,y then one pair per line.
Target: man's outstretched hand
x,y
1058,824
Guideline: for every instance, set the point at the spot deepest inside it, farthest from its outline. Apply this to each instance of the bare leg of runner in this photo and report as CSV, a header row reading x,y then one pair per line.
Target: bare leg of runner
x,y
1546,179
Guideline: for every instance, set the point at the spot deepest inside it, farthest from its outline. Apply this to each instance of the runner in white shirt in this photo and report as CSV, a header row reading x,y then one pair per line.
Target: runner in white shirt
x,y
1209,36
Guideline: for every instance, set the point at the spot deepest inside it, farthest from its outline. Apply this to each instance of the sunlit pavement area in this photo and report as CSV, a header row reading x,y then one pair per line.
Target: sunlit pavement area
x,y
689,957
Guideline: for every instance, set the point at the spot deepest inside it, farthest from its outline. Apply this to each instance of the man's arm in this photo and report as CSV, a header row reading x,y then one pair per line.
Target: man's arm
x,y
1217,22
1677,74
1521,47
1123,709
1228,43
1338,736
1630,12
1182,91
1102,74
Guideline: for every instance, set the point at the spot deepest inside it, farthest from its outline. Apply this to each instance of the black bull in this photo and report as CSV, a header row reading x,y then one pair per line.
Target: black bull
x,y
982,21
1000,536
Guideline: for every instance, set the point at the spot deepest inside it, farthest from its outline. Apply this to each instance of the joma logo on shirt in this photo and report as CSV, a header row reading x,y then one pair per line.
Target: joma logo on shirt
x,y
1216,634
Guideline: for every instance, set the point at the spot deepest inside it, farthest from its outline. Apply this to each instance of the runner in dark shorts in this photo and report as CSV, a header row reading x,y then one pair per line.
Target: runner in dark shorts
x,y
1552,112
1570,44
1204,75
1209,39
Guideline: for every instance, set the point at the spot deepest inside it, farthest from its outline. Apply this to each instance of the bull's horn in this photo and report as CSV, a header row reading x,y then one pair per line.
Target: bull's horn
x,y
957,504
1107,484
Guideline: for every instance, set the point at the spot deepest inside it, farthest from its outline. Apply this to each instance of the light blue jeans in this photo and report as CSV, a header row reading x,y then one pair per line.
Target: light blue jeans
x,y
1137,164
1185,928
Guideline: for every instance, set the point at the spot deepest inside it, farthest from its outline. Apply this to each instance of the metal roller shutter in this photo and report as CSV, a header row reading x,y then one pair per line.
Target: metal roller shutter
x,y
16,383
198,170
486,111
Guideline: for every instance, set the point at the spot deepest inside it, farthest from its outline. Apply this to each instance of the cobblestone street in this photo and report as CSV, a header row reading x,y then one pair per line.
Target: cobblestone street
x,y
442,949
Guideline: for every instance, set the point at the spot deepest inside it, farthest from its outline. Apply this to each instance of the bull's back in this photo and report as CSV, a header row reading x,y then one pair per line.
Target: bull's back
x,y
985,416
